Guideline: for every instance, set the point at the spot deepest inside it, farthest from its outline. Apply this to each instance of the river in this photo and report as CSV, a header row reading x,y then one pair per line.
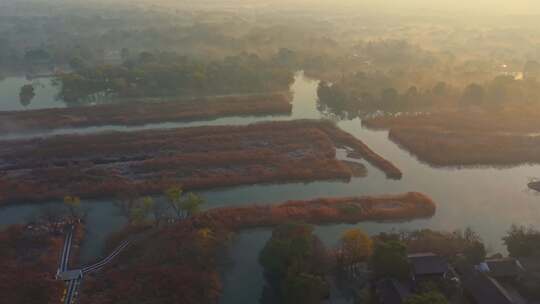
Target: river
x,y
488,200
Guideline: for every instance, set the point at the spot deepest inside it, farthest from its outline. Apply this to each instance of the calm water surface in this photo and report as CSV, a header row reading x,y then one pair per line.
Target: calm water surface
x,y
45,94
488,200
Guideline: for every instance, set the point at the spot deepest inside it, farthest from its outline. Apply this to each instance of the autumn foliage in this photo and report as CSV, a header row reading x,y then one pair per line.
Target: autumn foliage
x,y
322,211
177,264
102,165
28,261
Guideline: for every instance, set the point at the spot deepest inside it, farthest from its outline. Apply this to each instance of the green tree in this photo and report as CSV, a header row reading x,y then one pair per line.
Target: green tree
x,y
293,261
73,203
522,241
427,298
192,204
304,288
531,70
473,94
141,210
77,63
474,250
26,94
124,53
390,260
184,206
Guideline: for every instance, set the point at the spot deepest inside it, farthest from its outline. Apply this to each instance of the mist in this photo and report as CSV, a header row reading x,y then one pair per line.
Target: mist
x,y
270,151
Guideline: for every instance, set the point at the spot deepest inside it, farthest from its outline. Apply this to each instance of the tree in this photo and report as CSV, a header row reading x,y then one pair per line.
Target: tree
x,y
125,202
125,53
141,210
473,94
389,99
474,250
293,261
184,206
174,198
26,94
390,260
439,89
522,241
531,70
37,56
432,297
192,204
304,289
355,247
77,63
73,203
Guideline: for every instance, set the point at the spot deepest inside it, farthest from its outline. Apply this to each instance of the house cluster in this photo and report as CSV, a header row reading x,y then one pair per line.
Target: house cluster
x,y
493,281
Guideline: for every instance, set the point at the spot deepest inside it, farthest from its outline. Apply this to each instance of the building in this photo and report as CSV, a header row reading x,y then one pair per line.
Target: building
x,y
505,269
428,266
482,289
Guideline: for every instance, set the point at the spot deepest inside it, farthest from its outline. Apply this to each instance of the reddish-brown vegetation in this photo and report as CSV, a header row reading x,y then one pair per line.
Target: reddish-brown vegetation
x,y
466,139
321,211
140,113
179,264
103,165
28,260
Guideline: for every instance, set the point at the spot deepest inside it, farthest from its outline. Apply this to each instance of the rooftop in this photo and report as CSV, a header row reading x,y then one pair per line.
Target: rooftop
x,y
504,267
486,290
428,264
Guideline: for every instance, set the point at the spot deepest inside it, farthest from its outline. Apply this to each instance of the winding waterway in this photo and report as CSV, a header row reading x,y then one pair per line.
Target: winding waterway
x,y
488,200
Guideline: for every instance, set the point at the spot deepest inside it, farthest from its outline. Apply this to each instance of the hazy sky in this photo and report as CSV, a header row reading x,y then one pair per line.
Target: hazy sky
x,y
477,6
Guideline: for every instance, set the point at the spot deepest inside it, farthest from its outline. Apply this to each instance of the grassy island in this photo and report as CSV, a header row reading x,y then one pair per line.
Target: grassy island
x,y
459,138
105,164
144,112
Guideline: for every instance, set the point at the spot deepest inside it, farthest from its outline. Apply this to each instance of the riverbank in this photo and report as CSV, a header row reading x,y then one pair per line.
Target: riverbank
x,y
148,162
144,112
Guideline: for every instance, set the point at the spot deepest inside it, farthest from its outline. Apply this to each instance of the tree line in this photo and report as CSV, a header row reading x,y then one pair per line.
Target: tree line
x,y
365,93
169,75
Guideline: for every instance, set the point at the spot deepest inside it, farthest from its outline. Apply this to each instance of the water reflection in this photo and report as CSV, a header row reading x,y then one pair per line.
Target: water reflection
x,y
44,97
